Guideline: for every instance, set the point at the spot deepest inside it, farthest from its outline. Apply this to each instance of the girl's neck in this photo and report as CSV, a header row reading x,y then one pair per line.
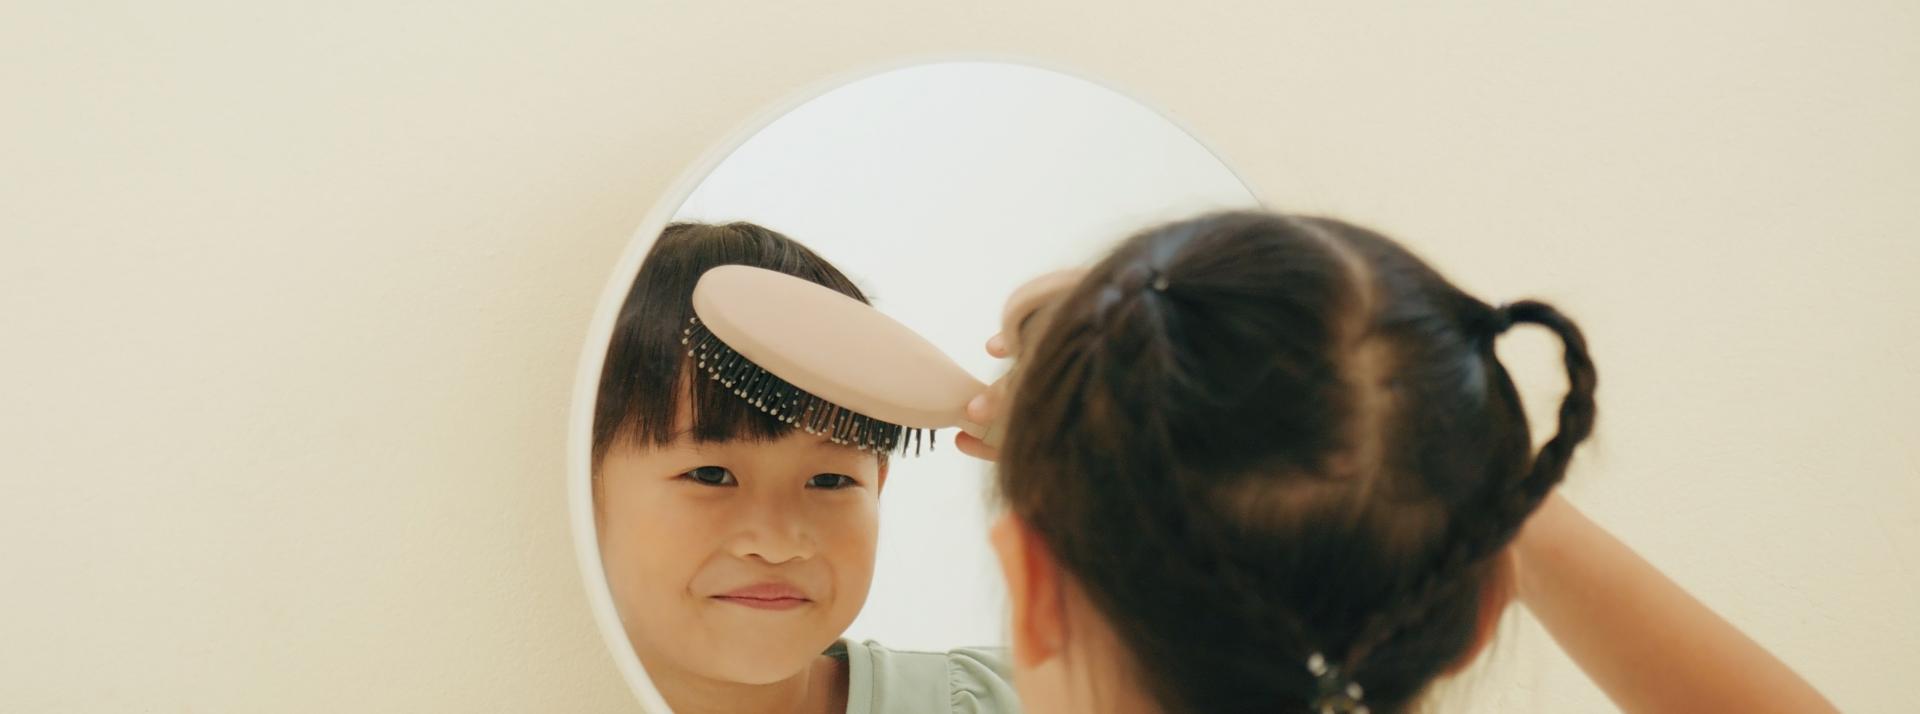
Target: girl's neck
x,y
819,689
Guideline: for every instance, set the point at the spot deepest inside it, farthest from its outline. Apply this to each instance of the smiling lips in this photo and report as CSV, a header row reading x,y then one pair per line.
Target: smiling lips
x,y
766,596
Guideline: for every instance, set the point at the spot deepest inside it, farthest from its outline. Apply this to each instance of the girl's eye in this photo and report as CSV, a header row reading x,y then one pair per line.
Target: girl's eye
x,y
711,476
831,481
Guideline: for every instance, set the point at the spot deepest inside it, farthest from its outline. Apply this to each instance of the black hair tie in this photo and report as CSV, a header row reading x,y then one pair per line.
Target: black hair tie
x,y
1501,319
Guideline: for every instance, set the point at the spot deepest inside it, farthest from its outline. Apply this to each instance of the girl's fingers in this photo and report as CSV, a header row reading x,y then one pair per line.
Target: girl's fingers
x,y
997,346
980,408
974,447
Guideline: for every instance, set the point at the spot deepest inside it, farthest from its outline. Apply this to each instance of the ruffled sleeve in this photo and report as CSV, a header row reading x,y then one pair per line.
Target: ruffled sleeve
x,y
974,680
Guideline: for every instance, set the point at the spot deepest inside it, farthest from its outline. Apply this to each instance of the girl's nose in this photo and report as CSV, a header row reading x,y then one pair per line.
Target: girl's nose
x,y
774,532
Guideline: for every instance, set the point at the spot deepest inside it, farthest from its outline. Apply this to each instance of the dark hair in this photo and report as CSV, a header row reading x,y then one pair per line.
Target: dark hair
x,y
646,363
1259,437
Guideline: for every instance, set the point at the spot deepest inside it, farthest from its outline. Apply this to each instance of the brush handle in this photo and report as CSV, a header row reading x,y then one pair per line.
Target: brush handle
x,y
976,430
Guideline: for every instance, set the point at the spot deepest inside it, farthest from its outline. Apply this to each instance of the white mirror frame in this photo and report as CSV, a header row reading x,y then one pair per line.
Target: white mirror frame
x,y
586,386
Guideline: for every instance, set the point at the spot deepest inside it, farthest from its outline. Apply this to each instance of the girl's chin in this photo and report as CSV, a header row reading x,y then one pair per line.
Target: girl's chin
x,y
761,668
758,650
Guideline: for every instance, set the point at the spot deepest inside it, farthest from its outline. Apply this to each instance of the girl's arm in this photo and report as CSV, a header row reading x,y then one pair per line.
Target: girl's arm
x,y
1648,644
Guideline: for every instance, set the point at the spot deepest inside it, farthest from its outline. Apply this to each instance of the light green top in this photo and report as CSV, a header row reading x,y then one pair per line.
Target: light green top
x,y
967,680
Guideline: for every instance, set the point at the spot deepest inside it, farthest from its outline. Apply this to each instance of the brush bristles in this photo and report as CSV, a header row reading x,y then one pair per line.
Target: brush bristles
x,y
793,405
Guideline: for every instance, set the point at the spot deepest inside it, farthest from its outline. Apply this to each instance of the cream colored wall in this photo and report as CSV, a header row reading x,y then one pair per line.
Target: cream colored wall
x,y
291,297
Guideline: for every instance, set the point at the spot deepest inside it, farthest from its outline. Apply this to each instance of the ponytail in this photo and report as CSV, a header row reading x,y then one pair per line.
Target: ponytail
x,y
1475,539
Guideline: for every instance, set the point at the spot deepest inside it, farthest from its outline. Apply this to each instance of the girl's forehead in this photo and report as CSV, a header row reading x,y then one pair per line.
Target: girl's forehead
x,y
795,444
705,437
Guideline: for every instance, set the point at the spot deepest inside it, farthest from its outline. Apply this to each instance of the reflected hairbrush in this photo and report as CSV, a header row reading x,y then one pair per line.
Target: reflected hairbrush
x,y
832,365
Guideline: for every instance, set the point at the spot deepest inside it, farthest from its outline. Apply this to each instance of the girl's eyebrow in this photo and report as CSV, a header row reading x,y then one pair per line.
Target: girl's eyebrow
x,y
824,442
827,446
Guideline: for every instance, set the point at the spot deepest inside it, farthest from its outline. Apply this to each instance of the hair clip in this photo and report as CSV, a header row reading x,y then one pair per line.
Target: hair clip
x,y
1336,694
1156,280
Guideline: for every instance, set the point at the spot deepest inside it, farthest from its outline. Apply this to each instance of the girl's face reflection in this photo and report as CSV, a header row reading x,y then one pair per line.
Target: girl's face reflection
x,y
739,561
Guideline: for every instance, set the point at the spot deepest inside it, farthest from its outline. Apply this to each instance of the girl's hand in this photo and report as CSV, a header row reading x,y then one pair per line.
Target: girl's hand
x,y
983,408
1021,321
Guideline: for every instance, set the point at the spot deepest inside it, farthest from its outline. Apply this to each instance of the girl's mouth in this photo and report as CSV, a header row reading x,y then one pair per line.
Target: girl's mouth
x,y
766,596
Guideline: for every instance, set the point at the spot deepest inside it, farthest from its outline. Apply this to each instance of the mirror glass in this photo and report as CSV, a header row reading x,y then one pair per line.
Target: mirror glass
x,y
936,190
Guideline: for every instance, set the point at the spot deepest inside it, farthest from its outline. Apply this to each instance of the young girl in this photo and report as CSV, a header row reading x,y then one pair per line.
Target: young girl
x,y
1263,463
739,548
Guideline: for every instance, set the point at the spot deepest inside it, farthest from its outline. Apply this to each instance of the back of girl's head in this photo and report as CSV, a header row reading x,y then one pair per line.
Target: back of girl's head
x,y
646,366
1253,438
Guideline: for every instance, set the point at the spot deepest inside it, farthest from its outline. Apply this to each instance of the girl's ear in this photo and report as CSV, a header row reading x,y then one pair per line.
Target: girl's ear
x,y
884,465
1033,590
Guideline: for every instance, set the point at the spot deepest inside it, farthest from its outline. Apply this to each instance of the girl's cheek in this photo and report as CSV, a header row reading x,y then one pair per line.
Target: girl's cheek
x,y
675,528
857,532
843,516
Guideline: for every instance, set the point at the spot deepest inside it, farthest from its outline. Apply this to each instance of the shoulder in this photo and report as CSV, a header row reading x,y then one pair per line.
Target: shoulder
x,y
981,681
968,680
